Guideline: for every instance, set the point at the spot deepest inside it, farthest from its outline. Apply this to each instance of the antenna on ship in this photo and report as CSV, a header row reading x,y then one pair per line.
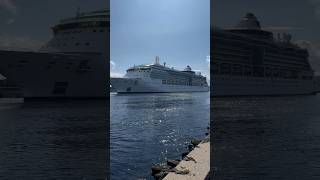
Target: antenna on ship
x,y
78,12
157,60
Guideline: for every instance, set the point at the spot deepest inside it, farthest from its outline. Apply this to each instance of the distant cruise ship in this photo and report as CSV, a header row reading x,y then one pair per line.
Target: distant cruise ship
x,y
73,64
159,78
247,60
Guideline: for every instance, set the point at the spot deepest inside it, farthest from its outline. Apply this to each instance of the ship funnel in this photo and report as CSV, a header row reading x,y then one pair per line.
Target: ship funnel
x,y
157,60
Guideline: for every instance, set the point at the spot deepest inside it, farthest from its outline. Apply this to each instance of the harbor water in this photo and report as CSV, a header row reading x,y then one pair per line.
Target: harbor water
x,y
53,140
150,128
266,137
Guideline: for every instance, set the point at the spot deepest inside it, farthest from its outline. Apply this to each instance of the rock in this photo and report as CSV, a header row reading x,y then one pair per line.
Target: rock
x,y
159,168
156,169
190,147
184,154
160,175
195,142
173,163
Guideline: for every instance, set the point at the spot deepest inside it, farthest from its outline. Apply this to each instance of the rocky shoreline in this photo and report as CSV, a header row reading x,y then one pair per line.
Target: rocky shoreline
x,y
182,167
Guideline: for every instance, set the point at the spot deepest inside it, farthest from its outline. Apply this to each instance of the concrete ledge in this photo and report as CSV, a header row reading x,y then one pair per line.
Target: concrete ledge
x,y
195,166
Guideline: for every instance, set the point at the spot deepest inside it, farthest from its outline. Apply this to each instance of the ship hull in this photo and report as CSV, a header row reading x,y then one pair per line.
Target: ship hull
x,y
52,75
249,86
137,85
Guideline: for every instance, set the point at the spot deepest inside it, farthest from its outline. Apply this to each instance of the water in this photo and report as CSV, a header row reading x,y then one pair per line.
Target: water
x,y
53,140
266,137
149,128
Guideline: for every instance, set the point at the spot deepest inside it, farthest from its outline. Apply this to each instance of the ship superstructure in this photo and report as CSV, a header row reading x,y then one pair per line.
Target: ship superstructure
x,y
73,64
247,60
159,78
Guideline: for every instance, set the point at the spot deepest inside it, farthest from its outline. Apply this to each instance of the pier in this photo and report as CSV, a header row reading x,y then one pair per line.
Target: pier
x,y
194,165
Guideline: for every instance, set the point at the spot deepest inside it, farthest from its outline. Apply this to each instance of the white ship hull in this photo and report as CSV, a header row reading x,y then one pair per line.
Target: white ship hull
x,y
49,75
250,86
137,85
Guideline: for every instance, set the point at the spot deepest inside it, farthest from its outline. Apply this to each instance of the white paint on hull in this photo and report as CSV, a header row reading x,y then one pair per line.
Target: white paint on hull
x,y
251,86
137,85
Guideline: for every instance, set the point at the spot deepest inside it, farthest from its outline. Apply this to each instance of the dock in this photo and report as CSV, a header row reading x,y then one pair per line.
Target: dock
x,y
195,165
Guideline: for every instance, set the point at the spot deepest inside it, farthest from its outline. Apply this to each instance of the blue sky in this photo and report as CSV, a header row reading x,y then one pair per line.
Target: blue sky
x,y
178,31
27,24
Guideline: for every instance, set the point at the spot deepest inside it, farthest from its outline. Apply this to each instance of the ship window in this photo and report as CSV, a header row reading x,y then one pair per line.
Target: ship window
x,y
23,61
94,30
258,71
60,88
87,44
225,68
215,68
77,44
237,69
101,30
247,71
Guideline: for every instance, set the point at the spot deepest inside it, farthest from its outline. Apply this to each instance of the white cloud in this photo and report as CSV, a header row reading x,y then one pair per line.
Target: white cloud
x,y
316,5
19,43
8,5
10,21
112,65
208,61
115,74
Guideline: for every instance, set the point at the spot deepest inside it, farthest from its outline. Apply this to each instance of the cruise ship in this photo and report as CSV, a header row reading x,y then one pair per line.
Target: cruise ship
x,y
158,78
8,89
247,60
73,64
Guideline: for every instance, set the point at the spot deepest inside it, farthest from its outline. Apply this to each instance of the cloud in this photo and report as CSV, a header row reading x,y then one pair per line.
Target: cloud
x,y
10,21
2,77
19,43
8,5
112,65
316,5
208,61
115,74
314,54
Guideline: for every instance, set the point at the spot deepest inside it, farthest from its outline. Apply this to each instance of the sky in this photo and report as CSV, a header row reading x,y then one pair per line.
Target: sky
x,y
178,31
25,24
301,18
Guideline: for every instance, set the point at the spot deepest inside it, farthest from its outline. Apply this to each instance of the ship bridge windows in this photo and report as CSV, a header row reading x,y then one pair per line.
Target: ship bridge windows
x,y
268,72
247,70
215,68
258,71
237,69
225,68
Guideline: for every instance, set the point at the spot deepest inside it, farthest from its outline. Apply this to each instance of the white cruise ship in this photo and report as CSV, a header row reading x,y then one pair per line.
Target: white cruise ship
x,y
73,64
156,78
247,60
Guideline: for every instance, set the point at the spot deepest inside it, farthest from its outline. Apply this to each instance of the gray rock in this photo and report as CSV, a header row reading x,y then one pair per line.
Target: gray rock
x,y
173,163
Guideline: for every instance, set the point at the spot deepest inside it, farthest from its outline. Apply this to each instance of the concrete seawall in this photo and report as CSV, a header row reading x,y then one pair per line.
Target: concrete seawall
x,y
195,166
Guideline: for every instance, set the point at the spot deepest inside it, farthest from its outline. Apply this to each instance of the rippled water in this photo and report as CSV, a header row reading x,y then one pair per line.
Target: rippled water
x,y
149,128
266,137
53,140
